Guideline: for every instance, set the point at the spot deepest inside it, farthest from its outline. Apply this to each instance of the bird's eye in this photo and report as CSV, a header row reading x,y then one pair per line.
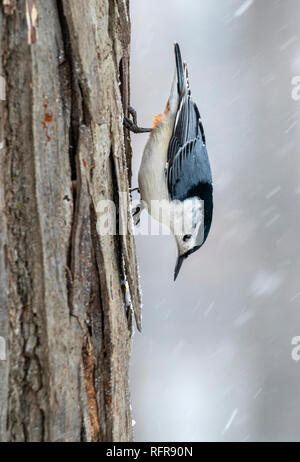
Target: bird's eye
x,y
187,237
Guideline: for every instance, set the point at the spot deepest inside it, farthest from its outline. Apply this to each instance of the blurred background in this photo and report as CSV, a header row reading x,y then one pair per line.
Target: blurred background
x,y
214,360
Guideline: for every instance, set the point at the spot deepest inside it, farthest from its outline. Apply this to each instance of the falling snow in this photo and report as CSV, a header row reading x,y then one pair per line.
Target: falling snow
x,y
230,421
243,8
214,362
273,192
265,283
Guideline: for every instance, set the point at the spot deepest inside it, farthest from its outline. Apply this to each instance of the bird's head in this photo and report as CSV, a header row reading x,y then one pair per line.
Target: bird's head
x,y
187,244
188,229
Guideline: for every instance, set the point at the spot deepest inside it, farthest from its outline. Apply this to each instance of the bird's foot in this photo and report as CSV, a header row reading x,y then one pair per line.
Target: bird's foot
x,y
131,190
131,124
136,214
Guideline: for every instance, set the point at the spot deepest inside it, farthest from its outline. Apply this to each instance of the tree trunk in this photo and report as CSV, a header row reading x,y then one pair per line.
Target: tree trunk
x,y
64,287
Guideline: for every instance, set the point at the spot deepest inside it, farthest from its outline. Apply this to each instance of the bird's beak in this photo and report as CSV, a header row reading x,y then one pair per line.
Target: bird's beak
x,y
178,265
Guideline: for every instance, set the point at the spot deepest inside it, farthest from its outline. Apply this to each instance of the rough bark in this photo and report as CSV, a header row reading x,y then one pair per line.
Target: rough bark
x,y
63,286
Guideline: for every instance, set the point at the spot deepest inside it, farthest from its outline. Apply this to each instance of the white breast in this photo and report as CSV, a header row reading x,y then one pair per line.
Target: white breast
x,y
152,179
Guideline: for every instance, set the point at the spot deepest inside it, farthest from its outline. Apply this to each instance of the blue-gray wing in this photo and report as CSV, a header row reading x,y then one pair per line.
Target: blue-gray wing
x,y
188,163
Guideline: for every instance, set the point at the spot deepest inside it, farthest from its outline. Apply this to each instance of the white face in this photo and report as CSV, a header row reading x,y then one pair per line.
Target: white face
x,y
188,224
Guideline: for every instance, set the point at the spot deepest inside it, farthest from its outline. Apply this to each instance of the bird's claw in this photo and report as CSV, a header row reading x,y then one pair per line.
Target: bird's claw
x,y
132,124
136,215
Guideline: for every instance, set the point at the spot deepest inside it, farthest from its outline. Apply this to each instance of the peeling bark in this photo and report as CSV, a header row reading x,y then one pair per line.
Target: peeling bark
x,y
63,308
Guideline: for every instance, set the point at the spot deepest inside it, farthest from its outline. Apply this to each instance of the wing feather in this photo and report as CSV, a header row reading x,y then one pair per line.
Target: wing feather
x,y
188,163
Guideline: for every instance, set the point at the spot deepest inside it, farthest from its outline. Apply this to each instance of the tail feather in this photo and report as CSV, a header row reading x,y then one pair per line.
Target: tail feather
x,y
180,69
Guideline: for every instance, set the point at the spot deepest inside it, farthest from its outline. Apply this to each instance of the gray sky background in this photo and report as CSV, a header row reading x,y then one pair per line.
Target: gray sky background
x,y
214,361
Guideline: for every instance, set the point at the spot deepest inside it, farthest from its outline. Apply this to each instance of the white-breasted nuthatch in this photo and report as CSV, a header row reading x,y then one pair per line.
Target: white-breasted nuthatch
x,y
175,180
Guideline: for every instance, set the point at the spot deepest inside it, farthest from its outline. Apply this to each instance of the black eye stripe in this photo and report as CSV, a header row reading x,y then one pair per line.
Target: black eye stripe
x,y
187,237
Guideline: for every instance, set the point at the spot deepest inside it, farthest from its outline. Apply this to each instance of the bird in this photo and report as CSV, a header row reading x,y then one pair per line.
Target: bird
x,y
175,179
